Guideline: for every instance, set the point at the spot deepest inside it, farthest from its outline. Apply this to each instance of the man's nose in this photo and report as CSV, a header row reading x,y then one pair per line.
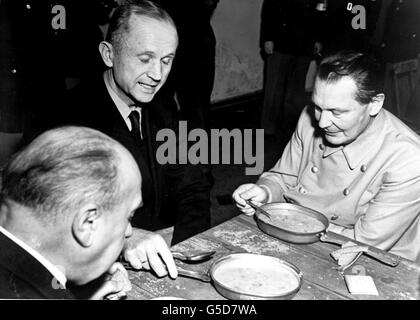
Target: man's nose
x,y
324,119
129,231
155,71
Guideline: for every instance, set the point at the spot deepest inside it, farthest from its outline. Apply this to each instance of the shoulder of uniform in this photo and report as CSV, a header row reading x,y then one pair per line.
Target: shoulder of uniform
x,y
307,123
399,135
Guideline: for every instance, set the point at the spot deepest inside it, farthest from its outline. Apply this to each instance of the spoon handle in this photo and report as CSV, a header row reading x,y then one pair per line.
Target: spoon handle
x,y
178,255
257,208
181,272
194,274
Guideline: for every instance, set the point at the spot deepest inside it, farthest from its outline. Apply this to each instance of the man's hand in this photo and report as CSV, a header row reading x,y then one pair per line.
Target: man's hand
x,y
116,284
269,47
147,250
249,191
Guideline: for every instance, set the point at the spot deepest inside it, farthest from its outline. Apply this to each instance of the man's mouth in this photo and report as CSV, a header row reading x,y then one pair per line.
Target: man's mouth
x,y
147,86
330,133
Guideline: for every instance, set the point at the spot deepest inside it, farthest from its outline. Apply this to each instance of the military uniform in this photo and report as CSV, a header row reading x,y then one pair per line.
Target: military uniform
x,y
340,33
293,26
371,186
401,39
37,55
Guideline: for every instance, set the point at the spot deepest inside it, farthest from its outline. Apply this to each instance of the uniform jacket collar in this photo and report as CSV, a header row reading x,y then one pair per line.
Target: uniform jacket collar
x,y
359,149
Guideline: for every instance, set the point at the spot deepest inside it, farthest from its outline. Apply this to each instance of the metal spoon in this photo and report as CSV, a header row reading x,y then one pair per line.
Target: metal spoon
x,y
188,258
193,257
181,272
259,209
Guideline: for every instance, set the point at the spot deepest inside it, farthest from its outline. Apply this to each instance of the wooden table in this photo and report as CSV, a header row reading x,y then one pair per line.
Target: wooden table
x,y
321,280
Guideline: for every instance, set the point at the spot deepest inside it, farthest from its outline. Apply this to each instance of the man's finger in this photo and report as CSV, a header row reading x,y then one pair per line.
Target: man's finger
x,y
145,265
168,259
249,212
239,200
131,256
156,264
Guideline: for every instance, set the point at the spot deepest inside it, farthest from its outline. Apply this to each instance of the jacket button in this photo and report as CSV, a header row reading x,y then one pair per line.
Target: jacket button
x,y
346,192
321,146
302,190
363,168
314,169
334,217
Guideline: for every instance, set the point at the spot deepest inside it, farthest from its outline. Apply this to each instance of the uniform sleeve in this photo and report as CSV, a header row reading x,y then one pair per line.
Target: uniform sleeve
x,y
285,172
396,206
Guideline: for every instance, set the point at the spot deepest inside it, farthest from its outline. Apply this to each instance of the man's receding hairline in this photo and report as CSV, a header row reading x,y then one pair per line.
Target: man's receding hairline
x,y
334,81
125,29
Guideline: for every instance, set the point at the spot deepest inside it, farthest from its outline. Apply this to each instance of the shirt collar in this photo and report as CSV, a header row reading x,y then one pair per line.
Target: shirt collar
x,y
356,151
56,271
122,107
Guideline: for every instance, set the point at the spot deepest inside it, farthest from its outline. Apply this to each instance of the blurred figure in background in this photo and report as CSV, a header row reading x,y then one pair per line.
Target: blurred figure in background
x,y
190,83
402,31
290,36
346,28
401,42
46,48
192,76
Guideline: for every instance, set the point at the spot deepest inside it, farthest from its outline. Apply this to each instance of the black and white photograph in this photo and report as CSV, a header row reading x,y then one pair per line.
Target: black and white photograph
x,y
220,155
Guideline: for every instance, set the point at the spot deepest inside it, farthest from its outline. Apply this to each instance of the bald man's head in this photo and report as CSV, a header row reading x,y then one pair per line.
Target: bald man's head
x,y
65,168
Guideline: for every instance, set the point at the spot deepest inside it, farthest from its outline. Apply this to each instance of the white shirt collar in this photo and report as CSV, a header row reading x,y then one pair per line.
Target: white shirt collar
x,y
54,270
122,107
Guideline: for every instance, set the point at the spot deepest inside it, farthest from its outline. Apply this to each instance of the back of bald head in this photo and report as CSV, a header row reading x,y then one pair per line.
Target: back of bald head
x,y
62,170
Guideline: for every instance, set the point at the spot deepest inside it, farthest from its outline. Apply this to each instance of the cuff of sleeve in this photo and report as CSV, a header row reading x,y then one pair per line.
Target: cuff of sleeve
x,y
268,192
275,191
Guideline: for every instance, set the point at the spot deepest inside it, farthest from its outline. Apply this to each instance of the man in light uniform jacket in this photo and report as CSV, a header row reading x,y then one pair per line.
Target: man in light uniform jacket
x,y
351,160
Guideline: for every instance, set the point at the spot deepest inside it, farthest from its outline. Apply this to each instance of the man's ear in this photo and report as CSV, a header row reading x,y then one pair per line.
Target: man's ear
x,y
376,104
85,224
107,53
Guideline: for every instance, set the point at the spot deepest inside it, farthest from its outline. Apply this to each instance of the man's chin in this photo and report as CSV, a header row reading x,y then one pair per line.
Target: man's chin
x,y
334,140
144,97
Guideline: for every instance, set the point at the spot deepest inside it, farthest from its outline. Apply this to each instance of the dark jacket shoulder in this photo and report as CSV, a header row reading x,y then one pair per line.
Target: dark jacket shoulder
x,y
23,277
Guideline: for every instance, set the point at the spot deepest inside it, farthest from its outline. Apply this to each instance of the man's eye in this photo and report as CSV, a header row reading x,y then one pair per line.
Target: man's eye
x,y
318,109
145,59
167,61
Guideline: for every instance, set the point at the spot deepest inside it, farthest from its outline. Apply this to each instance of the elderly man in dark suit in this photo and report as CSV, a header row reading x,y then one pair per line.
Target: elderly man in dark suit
x,y
138,52
65,209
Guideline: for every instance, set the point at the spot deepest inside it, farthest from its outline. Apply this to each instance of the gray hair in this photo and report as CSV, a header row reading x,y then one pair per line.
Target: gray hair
x,y
118,23
62,170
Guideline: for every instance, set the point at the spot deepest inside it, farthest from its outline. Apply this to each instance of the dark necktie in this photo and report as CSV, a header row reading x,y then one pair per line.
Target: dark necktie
x,y
135,125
